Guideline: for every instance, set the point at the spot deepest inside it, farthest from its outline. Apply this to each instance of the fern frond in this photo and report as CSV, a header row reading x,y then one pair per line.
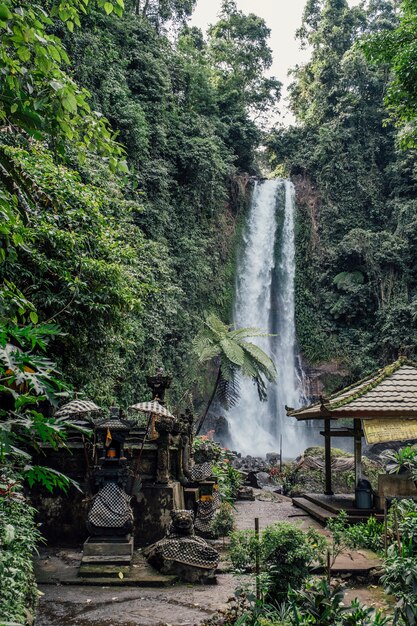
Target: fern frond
x,y
228,392
263,361
233,351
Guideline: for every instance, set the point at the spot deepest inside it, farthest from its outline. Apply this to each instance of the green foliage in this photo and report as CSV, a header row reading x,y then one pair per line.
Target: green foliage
x,y
395,48
355,282
18,539
319,603
29,384
229,479
404,459
402,527
287,552
240,56
36,94
224,521
367,534
242,550
400,580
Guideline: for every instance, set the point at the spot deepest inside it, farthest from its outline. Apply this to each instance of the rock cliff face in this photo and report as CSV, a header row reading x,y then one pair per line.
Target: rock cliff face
x,y
308,204
324,379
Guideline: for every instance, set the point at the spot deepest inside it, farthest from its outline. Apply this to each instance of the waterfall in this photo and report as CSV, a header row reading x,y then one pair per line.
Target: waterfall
x,y
264,298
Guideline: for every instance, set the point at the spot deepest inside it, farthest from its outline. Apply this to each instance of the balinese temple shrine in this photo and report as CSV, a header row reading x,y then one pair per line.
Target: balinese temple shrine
x,y
149,460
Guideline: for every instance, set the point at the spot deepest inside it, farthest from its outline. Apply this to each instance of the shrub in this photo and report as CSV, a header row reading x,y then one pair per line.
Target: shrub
x,y
18,538
367,534
402,522
286,553
400,580
319,603
242,550
224,521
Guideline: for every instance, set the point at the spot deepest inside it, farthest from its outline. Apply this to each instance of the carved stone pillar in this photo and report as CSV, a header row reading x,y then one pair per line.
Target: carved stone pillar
x,y
164,427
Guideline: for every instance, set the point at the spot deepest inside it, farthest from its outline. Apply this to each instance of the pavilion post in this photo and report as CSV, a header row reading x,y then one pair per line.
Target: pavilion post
x,y
357,431
327,458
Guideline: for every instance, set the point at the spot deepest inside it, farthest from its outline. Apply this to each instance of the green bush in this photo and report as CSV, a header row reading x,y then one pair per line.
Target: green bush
x,y
18,539
242,550
367,534
402,526
400,580
287,553
224,521
319,603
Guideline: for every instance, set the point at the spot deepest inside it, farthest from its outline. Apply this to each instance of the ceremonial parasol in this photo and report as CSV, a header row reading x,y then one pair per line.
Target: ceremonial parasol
x,y
76,407
152,407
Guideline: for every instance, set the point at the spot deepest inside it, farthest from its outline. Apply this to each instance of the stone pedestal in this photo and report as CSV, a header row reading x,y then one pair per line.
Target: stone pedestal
x,y
152,509
101,552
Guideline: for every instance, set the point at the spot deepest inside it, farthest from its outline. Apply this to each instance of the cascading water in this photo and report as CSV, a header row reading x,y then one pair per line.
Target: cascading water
x,y
265,299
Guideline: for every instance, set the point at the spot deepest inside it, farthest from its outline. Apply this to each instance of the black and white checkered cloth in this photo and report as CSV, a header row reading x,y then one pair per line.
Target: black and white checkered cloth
x,y
205,514
189,550
201,471
111,508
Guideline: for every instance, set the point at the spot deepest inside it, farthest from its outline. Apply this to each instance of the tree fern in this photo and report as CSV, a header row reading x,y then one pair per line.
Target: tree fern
x,y
234,357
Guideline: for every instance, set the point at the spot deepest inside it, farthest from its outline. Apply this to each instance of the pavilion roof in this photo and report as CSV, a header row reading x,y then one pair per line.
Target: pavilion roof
x,y
390,392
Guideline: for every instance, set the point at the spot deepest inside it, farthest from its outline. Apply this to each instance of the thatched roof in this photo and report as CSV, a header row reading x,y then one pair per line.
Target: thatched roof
x,y
390,392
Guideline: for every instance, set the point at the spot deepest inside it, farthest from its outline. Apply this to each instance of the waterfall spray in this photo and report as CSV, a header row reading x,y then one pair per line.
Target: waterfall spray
x,y
264,299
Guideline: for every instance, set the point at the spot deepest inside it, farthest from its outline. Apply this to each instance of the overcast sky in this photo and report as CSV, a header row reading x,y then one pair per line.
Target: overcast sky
x,y
283,17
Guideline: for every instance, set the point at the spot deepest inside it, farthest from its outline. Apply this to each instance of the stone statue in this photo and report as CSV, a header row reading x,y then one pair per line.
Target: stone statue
x,y
182,553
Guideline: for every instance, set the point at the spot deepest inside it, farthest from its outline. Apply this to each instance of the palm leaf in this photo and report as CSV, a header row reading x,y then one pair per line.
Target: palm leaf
x,y
208,353
216,325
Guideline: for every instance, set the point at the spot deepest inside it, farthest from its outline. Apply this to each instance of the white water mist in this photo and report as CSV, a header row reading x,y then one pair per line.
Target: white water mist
x,y
264,299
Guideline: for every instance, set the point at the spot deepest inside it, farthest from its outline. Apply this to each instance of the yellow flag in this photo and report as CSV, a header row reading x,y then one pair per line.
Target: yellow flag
x,y
108,438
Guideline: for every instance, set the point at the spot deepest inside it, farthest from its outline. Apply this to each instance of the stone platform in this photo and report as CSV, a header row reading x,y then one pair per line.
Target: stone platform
x,y
63,567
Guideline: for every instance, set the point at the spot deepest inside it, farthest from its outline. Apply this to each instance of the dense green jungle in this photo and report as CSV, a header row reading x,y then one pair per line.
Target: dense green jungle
x,y
128,144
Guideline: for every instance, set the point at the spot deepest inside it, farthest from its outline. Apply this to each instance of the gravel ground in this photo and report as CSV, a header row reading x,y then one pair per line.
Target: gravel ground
x,y
270,508
179,605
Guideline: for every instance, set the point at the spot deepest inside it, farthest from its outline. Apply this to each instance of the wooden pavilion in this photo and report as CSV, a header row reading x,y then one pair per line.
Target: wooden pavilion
x,y
382,406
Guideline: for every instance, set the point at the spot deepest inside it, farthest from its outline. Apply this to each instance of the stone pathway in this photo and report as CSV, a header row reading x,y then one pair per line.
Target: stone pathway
x,y
177,605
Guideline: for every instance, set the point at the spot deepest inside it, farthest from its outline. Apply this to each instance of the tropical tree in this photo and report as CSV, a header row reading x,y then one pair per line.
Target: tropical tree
x,y
234,357
395,47
38,95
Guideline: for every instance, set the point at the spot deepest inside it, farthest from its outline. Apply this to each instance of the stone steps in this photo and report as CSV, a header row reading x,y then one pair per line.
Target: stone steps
x,y
107,560
323,511
318,512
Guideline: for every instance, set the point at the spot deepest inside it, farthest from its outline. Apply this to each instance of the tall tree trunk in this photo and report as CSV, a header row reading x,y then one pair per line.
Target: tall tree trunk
x,y
213,395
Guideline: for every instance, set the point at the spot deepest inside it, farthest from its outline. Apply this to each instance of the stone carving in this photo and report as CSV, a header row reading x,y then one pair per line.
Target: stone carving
x,y
164,427
182,553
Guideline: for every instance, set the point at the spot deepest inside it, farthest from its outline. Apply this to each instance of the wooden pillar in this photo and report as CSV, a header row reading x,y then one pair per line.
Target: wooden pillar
x,y
327,458
357,429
